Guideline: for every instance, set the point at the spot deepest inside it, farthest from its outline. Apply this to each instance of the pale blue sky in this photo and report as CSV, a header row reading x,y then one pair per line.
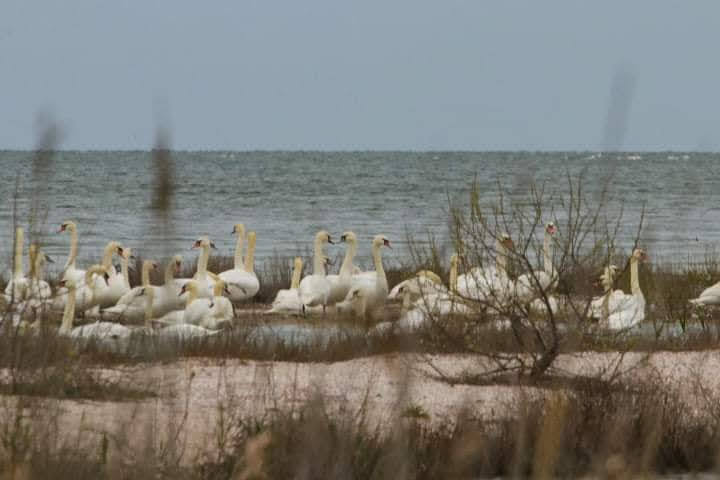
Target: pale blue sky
x,y
360,74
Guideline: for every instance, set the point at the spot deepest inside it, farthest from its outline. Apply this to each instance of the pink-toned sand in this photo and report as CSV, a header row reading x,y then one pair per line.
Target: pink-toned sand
x,y
194,395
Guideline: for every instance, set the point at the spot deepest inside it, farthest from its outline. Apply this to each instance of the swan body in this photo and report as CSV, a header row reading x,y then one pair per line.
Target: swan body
x,y
197,308
288,301
221,312
314,289
131,306
423,281
241,280
490,286
107,335
373,290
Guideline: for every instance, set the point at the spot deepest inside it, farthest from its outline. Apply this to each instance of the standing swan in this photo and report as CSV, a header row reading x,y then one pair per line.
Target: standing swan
x,y
340,284
70,271
625,310
314,289
202,277
242,280
526,286
372,289
108,293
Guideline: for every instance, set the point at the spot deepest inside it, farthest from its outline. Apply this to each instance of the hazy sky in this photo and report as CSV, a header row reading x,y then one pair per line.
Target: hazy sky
x,y
362,74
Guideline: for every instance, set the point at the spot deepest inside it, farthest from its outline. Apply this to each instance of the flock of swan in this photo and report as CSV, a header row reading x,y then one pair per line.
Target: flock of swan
x,y
203,305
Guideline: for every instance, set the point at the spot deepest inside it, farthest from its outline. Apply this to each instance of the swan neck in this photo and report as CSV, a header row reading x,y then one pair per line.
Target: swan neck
x,y
319,259
406,303
145,273
203,260
347,265
107,256
239,249
150,294
250,257
634,277
192,295
124,269
453,277
501,258
377,260
297,271
547,254
18,263
169,272
72,256
69,312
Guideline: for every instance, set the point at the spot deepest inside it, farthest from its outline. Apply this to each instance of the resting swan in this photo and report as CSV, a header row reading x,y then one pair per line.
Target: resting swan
x,y
314,289
491,286
221,312
175,331
242,280
107,334
131,307
373,289
709,296
288,301
628,310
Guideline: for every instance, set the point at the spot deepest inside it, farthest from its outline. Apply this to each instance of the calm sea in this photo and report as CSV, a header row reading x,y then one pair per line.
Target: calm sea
x,y
287,196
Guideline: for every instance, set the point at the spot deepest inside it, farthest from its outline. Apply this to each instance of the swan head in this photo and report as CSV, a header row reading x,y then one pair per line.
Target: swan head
x,y
454,260
550,228
348,237
298,263
640,255
67,225
68,283
202,242
381,241
238,229
177,259
126,253
189,287
97,270
323,237
506,241
430,276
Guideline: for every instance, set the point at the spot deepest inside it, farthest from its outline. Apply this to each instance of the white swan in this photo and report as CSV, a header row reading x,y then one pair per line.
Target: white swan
x,y
242,280
424,280
600,306
176,332
221,312
167,297
108,291
340,284
628,310
70,271
17,288
131,306
709,296
205,280
288,301
490,286
39,288
314,289
107,335
197,308
530,285
373,289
